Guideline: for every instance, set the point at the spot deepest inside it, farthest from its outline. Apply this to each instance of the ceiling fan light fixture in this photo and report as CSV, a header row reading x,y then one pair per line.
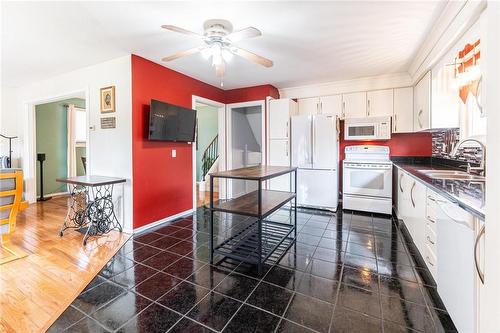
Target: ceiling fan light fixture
x,y
206,53
227,55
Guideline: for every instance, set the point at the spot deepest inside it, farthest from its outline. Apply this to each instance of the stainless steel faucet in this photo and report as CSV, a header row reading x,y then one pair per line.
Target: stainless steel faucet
x,y
481,169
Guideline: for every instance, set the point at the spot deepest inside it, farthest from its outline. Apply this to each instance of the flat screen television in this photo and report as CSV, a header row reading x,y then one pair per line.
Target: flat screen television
x,y
168,122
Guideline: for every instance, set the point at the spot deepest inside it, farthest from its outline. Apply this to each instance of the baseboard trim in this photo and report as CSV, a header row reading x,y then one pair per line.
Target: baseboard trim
x,y
53,195
156,223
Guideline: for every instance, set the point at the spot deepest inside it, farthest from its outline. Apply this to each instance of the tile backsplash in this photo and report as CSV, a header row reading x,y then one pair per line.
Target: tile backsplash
x,y
443,142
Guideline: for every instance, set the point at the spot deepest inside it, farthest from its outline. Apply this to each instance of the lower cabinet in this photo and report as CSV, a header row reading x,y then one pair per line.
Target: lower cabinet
x,y
446,237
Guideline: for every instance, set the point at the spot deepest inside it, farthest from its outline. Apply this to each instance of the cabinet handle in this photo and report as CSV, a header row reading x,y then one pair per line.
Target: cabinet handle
x,y
368,107
430,220
400,182
343,109
321,107
430,241
418,118
429,260
395,123
476,262
411,194
286,136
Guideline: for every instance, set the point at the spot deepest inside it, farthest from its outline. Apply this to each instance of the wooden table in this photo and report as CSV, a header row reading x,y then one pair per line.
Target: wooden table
x,y
257,242
91,209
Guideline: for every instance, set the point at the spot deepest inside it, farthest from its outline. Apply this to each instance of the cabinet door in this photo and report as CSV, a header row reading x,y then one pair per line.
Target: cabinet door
x,y
279,118
331,105
402,120
418,203
279,155
456,283
380,103
354,105
308,106
422,98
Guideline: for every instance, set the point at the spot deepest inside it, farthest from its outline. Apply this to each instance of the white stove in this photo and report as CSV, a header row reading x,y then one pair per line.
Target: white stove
x,y
367,179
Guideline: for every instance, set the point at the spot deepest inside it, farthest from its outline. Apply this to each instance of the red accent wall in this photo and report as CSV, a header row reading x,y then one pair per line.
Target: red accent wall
x,y
251,94
162,185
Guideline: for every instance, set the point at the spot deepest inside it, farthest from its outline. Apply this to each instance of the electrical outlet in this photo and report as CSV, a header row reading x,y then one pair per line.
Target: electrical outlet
x,y
174,153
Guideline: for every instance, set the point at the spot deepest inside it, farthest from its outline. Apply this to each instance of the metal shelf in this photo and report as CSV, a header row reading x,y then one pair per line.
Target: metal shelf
x,y
245,244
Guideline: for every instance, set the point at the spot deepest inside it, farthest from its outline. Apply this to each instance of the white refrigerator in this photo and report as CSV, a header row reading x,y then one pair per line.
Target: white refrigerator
x,y
315,154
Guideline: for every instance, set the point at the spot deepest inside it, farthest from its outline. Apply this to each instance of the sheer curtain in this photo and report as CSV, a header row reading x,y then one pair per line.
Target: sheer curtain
x,y
71,141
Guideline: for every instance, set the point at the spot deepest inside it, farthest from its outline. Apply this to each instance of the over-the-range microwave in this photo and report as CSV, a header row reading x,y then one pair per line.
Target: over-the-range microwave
x,y
369,128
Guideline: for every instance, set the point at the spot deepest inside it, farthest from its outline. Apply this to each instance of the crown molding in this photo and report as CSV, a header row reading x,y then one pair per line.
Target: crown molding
x,y
347,86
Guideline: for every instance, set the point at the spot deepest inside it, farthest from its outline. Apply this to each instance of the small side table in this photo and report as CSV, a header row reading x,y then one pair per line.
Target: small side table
x,y
91,209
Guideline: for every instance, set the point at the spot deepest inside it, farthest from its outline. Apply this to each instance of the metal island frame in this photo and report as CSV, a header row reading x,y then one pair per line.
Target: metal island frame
x,y
258,241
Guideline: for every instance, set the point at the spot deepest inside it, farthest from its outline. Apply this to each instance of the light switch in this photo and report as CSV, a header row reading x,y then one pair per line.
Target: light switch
x,y
174,153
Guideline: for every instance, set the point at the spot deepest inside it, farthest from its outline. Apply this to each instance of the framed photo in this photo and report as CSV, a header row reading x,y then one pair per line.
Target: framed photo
x,y
108,99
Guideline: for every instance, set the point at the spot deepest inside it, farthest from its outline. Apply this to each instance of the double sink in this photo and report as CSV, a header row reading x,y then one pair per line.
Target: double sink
x,y
452,175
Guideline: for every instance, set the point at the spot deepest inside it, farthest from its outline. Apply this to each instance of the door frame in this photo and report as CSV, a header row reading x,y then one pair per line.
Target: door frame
x,y
30,167
221,124
229,107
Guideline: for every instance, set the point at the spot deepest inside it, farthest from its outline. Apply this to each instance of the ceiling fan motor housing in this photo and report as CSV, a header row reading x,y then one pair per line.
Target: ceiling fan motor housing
x,y
216,30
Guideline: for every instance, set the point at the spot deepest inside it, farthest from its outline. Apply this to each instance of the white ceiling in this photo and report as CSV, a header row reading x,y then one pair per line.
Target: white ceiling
x,y
309,42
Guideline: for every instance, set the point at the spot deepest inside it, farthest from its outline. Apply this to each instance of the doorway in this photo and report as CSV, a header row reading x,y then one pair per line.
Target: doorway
x,y
246,142
60,144
209,150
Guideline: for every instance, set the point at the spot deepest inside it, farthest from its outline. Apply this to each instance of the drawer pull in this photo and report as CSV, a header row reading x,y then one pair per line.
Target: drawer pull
x,y
476,262
430,241
430,220
429,261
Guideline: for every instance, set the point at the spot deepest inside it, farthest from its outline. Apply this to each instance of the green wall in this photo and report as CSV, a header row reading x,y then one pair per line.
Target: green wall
x,y
207,130
52,139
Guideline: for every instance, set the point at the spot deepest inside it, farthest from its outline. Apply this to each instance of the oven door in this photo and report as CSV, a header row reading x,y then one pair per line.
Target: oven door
x,y
368,131
368,179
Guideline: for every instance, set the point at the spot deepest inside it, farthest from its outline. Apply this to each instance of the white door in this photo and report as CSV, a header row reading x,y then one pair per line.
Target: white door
x,y
317,188
456,281
302,141
402,120
380,103
421,116
279,155
331,105
354,105
308,106
324,142
279,117
361,180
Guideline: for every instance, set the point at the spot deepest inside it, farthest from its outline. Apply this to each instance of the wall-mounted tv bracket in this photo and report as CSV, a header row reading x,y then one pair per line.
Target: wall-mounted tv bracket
x,y
9,162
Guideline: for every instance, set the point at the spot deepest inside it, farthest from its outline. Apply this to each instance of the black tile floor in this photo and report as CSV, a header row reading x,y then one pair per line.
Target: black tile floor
x,y
347,272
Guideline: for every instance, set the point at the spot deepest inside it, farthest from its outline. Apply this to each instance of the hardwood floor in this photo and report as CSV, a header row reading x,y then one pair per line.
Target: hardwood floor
x,y
203,198
36,289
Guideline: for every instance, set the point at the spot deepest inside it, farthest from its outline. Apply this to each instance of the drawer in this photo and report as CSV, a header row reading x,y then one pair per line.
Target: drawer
x,y
431,238
431,261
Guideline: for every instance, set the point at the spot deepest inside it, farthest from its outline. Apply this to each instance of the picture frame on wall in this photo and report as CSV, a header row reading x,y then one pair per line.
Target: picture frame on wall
x,y
108,99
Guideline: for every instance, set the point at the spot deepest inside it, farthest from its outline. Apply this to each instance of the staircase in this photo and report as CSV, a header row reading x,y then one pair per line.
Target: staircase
x,y
209,156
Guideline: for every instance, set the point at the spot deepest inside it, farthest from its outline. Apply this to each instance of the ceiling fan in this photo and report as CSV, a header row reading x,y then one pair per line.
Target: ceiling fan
x,y
219,37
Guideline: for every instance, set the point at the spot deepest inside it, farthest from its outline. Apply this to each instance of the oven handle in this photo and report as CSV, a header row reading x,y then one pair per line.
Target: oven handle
x,y
367,168
401,182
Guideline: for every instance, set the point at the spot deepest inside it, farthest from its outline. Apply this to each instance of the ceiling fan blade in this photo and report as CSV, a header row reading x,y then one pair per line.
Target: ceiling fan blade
x,y
249,32
182,54
180,30
252,57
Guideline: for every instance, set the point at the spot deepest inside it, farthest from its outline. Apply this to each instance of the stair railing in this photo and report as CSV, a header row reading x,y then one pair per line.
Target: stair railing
x,y
209,156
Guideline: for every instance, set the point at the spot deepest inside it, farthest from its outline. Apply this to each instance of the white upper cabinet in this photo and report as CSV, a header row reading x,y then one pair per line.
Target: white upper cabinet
x,y
321,105
354,105
380,103
280,111
402,120
422,104
308,106
331,105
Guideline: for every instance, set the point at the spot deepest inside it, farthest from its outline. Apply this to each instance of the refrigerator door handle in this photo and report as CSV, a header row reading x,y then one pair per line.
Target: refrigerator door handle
x,y
313,124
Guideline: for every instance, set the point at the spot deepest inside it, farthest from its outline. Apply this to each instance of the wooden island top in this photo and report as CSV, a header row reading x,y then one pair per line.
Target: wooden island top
x,y
259,172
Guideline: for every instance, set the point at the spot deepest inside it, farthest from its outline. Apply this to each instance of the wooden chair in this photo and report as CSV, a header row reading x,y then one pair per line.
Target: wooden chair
x,y
11,193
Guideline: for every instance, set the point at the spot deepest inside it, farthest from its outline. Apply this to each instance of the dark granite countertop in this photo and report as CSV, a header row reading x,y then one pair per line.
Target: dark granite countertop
x,y
469,195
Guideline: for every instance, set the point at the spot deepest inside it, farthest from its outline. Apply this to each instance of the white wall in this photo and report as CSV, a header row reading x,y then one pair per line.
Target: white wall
x,y
8,123
110,152
341,87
